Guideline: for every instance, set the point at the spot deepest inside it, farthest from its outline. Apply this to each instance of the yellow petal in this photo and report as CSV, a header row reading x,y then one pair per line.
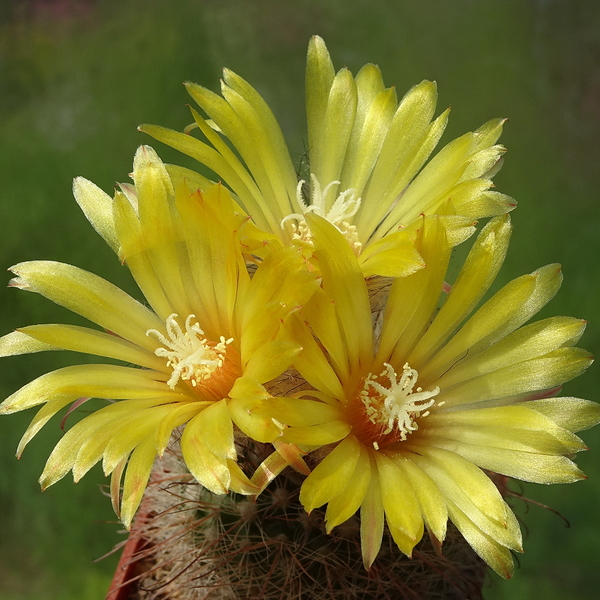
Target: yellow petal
x,y
465,485
90,296
97,207
319,78
477,274
240,484
316,435
526,343
134,252
95,429
402,511
540,373
215,423
18,342
177,415
211,471
494,554
374,113
115,487
527,466
344,505
89,341
481,329
268,144
158,226
136,479
398,259
320,313
292,455
268,470
429,497
511,427
270,360
297,412
247,410
97,381
410,140
412,300
331,476
371,519
42,417
343,281
312,363
573,414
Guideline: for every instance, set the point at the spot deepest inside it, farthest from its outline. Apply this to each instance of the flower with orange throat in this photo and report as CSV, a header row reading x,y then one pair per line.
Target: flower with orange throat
x,y
211,330
368,173
410,404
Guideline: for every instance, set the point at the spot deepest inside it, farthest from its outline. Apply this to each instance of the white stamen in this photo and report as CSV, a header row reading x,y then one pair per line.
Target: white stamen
x,y
189,353
344,208
397,406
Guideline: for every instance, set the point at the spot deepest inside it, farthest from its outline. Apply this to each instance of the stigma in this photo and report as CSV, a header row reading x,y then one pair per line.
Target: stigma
x,y
344,207
189,353
397,406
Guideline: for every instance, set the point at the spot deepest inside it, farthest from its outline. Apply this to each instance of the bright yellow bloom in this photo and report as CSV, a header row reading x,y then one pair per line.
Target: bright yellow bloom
x,y
367,156
409,405
212,332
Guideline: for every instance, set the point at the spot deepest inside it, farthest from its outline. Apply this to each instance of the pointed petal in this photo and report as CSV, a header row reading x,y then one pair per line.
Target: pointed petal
x,y
494,554
344,283
478,273
344,505
331,475
90,341
90,296
97,207
402,511
136,479
95,381
573,414
428,495
371,519
211,471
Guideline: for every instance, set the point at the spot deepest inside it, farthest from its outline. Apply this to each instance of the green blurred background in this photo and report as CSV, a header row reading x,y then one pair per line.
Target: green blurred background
x,y
78,76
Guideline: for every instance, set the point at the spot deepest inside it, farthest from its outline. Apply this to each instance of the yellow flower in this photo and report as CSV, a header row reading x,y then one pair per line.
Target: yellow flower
x,y
409,405
367,156
211,329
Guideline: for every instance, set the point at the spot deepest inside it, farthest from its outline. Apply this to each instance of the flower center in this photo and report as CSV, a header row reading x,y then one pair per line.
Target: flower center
x,y
393,409
192,357
344,208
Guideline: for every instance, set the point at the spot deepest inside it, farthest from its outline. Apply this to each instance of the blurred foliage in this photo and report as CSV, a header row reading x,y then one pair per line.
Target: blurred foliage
x,y
78,76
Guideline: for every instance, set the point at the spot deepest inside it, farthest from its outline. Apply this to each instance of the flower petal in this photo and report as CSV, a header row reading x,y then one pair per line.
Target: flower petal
x,y
331,476
573,414
477,274
97,208
90,341
95,381
371,519
494,554
344,505
90,296
402,510
136,478
211,471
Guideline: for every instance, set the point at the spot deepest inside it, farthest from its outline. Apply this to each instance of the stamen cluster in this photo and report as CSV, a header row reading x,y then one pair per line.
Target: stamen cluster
x,y
344,208
192,357
396,407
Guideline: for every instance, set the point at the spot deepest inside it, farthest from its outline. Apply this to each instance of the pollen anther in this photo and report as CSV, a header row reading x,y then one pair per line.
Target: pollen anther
x,y
192,357
397,406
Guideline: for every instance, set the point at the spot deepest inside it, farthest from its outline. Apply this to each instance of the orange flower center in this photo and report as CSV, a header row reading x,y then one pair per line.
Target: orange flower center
x,y
385,412
210,368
